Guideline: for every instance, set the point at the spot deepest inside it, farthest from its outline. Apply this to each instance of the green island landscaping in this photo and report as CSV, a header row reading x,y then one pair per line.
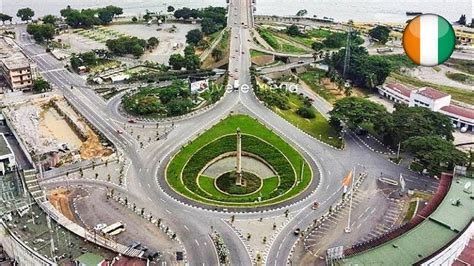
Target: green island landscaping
x,y
184,172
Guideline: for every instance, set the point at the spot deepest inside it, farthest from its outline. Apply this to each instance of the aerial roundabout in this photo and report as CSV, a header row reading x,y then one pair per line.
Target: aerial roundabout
x,y
238,164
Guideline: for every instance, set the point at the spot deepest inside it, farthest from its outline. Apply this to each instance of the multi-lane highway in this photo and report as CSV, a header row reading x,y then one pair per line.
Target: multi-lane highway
x,y
145,176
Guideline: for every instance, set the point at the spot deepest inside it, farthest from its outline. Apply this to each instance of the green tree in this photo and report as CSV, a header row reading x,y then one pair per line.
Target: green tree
x,y
41,32
208,26
306,112
435,153
137,50
25,14
170,9
360,114
380,34
5,17
176,61
50,19
192,62
105,15
293,30
317,46
217,54
408,122
134,19
194,36
189,50
40,85
153,42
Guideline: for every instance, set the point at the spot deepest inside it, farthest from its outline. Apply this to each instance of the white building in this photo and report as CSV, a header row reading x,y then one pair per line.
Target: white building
x,y
432,99
429,98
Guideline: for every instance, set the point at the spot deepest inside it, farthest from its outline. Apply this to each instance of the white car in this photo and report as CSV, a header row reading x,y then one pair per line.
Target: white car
x,y
464,129
99,227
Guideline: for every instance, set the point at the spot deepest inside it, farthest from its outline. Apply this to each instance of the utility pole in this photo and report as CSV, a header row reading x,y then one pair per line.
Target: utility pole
x,y
348,227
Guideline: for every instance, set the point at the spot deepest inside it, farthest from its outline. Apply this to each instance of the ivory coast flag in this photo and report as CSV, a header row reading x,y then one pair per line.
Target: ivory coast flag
x,y
429,40
347,181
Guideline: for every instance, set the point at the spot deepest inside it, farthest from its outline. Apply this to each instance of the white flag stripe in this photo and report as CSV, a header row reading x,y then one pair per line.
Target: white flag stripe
x,y
429,40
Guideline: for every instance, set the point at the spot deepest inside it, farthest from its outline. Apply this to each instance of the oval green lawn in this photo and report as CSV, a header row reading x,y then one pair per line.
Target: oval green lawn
x,y
295,174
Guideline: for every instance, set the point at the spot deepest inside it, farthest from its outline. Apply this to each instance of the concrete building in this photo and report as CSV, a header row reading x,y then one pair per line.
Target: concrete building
x,y
432,99
16,69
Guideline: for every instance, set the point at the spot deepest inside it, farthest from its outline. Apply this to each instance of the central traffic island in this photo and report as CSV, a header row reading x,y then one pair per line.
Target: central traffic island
x,y
238,163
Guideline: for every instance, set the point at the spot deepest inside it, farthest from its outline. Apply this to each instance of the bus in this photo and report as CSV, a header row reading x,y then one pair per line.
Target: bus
x,y
114,229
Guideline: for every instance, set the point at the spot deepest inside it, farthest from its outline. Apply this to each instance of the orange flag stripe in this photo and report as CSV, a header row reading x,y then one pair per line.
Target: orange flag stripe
x,y
411,39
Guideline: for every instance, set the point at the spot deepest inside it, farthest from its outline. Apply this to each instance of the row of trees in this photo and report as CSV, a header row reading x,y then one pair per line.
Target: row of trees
x,y
213,19
426,134
87,18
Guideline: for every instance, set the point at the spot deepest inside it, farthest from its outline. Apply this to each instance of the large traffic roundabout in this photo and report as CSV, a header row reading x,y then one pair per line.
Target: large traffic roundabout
x,y
238,164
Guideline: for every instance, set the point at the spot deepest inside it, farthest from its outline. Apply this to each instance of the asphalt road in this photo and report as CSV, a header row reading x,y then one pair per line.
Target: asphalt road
x,y
191,224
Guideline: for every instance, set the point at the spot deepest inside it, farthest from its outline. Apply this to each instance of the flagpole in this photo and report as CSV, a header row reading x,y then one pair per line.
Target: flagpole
x,y
348,228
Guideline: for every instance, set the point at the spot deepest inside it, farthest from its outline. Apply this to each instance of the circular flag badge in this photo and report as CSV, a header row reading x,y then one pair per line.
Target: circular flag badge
x,y
429,40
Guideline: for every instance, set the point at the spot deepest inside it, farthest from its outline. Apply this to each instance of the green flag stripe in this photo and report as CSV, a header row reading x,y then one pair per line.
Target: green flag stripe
x,y
446,40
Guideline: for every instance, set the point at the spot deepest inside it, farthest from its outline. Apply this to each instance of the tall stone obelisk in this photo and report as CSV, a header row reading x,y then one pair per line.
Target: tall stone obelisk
x,y
238,172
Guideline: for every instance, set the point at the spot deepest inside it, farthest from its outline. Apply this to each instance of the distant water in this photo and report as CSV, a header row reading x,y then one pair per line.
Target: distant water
x,y
340,10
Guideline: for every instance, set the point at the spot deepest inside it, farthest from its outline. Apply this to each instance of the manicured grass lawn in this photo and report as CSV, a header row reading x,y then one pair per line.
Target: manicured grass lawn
x,y
317,127
255,53
269,185
228,126
319,33
312,77
226,183
457,94
278,43
410,211
460,77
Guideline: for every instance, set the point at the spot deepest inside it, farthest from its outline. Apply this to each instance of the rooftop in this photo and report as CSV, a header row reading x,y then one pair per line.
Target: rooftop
x,y
431,93
11,56
399,88
458,110
428,237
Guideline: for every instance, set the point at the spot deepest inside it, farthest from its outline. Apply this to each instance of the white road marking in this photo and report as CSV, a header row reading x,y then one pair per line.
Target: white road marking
x,y
197,243
168,211
185,227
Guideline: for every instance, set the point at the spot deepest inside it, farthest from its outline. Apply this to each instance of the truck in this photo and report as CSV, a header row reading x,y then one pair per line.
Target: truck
x,y
236,84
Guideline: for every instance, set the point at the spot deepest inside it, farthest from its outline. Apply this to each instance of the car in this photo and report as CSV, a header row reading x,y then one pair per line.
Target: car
x,y
119,131
243,52
135,244
315,205
236,50
297,231
131,121
236,36
99,227
236,70
300,62
464,129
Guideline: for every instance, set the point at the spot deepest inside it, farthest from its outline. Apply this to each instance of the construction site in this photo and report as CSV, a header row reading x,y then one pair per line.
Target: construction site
x,y
53,133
